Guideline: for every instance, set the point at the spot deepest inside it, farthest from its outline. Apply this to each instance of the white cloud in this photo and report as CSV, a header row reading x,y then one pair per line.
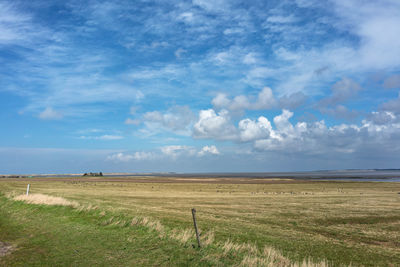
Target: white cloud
x,y
120,157
257,75
18,27
221,101
143,155
212,6
89,131
102,137
177,119
180,52
172,152
188,17
209,150
109,137
130,121
138,155
251,130
382,117
177,150
133,110
233,31
250,58
377,24
239,103
50,114
374,24
264,100
379,133
283,124
214,126
282,19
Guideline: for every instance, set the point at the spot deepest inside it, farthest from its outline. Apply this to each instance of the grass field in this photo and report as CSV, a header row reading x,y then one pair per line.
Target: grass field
x,y
248,222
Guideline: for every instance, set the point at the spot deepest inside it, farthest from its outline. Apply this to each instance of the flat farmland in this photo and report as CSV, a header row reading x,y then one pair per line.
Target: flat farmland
x,y
243,221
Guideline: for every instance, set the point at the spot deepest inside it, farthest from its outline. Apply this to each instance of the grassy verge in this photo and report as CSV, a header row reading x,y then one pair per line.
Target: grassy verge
x,y
339,223
64,236
72,235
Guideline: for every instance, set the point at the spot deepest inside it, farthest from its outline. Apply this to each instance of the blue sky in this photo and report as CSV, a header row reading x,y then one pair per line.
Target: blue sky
x,y
199,86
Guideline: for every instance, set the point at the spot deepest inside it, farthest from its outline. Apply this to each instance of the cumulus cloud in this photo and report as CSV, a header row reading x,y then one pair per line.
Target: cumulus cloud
x,y
283,124
264,100
177,150
382,117
172,152
214,126
292,101
341,92
221,100
209,150
250,130
123,157
378,132
120,157
143,155
176,119
50,114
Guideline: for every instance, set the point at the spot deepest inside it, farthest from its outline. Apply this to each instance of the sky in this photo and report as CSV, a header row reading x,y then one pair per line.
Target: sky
x,y
199,86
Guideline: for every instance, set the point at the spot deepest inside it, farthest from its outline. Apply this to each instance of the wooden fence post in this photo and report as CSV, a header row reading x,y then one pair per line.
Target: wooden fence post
x,y
195,227
27,189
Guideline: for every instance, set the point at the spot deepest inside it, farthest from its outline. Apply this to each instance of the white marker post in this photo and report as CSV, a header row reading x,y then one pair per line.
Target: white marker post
x,y
27,189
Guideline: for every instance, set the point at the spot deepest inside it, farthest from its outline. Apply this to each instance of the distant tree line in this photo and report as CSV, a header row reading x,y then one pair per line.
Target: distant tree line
x,y
14,176
93,174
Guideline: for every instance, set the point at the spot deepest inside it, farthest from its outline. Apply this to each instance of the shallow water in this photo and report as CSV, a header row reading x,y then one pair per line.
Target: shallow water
x,y
395,179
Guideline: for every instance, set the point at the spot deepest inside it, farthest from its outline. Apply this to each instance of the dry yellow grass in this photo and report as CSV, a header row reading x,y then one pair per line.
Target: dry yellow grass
x,y
231,247
268,257
46,200
208,238
358,221
182,236
271,257
310,263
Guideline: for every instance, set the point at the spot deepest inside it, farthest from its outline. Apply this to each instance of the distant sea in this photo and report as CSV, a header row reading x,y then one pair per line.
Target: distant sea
x,y
372,175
